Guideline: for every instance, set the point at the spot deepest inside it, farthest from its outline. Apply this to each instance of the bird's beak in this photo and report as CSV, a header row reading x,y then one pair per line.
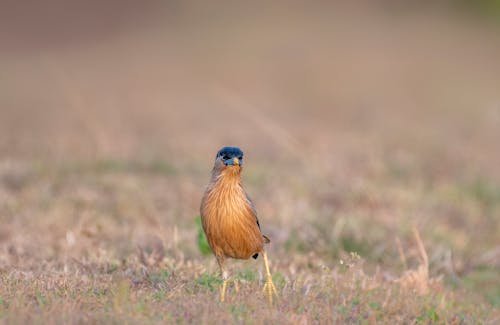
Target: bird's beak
x,y
235,161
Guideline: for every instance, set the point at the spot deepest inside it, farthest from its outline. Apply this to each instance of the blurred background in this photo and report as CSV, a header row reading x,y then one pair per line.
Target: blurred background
x,y
358,120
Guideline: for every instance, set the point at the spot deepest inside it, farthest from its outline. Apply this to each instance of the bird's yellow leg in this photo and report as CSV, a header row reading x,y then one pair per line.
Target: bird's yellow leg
x,y
223,290
268,285
220,261
224,285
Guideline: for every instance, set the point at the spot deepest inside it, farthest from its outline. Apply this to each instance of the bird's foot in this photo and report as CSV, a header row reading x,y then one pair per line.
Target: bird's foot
x,y
223,290
270,289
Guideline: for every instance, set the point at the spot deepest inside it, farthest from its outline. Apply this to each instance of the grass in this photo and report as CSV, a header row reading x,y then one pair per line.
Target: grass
x,y
141,270
351,300
371,153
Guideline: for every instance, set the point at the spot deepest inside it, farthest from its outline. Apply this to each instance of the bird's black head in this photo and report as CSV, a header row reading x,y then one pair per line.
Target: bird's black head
x,y
230,155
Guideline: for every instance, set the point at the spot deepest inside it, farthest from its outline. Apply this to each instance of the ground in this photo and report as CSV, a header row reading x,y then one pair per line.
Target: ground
x,y
371,154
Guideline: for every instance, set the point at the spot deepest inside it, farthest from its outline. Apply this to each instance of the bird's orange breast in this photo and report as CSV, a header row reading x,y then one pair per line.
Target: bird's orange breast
x,y
229,221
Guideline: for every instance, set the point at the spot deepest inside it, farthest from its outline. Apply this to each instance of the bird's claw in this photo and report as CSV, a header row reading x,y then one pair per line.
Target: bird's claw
x,y
270,289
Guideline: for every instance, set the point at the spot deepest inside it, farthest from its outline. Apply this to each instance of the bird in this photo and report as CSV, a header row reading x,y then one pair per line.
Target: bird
x,y
229,218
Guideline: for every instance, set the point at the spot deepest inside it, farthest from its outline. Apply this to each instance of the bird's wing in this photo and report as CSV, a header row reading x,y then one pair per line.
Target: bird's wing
x,y
253,209
266,239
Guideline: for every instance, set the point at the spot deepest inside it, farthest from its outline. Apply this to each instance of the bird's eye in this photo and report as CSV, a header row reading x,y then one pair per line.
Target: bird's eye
x,y
240,158
225,157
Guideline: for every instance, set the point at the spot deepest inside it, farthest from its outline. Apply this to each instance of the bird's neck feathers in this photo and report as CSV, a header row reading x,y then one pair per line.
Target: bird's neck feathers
x,y
227,178
226,199
229,174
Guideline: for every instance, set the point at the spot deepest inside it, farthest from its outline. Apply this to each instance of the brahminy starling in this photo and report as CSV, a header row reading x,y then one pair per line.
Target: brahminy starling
x,y
229,217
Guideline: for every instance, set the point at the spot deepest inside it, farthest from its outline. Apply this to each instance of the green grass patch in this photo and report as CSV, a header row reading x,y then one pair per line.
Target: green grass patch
x,y
247,275
201,239
485,280
238,310
208,281
351,244
159,295
158,277
278,279
428,316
